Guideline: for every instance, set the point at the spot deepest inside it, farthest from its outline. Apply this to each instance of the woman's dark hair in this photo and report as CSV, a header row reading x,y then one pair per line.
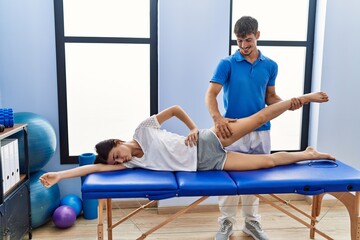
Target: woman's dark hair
x,y
245,25
103,149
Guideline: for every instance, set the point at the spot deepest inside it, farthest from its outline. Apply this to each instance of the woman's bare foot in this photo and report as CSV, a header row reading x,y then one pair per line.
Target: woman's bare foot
x,y
314,154
318,97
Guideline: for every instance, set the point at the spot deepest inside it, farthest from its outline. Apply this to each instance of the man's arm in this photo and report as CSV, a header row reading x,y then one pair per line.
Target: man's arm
x,y
271,98
211,101
221,123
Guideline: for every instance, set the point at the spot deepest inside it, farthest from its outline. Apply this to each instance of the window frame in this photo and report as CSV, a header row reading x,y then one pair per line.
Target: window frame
x,y
61,39
309,45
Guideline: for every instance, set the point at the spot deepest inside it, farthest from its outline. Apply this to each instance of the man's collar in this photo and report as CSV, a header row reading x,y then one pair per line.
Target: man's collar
x,y
239,57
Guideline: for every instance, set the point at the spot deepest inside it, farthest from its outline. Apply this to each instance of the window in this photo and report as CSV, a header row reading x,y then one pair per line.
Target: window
x,y
286,36
107,70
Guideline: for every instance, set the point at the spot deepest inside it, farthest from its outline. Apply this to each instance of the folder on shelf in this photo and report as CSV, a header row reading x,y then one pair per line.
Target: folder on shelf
x,y
10,163
5,165
16,161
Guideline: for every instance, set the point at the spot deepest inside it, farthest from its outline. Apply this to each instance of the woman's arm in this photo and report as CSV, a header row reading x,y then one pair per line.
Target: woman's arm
x,y
177,111
51,178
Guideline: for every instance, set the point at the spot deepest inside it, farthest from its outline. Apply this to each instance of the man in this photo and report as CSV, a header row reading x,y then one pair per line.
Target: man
x,y
248,81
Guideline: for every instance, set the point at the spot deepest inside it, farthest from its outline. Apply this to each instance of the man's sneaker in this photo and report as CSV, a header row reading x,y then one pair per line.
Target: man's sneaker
x,y
226,229
253,228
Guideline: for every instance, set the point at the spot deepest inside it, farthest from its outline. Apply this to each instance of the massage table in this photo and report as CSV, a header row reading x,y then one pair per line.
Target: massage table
x,y
315,178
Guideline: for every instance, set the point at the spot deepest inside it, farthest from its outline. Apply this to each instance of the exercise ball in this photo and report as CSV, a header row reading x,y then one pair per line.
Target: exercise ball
x,y
41,140
43,200
73,201
64,216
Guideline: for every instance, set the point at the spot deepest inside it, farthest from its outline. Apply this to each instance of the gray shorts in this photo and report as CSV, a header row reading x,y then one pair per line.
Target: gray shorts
x,y
211,154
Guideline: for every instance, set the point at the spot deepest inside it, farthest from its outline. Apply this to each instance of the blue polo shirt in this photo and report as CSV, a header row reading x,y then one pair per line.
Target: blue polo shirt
x,y
244,84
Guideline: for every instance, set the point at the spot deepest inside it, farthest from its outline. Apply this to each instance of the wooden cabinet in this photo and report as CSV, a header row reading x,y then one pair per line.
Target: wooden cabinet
x,y
15,208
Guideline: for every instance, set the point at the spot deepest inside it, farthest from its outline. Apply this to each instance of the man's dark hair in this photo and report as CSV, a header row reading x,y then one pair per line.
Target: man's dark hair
x,y
245,25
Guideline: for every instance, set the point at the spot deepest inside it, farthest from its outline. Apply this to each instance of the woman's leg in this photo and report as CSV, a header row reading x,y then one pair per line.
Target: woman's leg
x,y
241,161
243,126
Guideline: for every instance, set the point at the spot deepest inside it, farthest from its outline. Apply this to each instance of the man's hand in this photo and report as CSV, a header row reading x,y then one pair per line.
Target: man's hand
x,y
295,104
222,127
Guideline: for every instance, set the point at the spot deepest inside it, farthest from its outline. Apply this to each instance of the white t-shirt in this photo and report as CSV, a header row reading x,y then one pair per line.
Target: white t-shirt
x,y
163,150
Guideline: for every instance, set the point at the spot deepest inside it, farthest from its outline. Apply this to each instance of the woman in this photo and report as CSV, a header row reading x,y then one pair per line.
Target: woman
x,y
156,149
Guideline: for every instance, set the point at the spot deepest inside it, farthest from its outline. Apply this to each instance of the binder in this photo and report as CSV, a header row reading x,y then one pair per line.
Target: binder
x,y
5,165
10,163
16,161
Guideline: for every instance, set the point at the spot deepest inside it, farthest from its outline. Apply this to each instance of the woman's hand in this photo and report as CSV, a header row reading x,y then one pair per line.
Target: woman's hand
x,y
49,179
191,139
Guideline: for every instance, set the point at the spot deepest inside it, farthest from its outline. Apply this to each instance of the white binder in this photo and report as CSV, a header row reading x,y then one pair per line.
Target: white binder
x,y
16,161
10,162
5,162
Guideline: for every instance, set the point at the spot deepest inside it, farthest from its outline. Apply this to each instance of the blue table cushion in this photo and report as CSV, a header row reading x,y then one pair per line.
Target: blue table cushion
x,y
308,178
130,183
207,183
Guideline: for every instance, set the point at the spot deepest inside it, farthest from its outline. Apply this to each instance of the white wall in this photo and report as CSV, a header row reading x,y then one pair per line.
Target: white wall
x,y
339,119
317,70
193,36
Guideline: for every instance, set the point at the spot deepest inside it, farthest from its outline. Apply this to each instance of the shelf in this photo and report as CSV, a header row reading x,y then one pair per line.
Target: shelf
x,y
15,205
10,131
22,179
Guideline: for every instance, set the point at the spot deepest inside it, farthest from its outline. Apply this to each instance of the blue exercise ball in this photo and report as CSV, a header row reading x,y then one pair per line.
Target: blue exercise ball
x,y
73,201
41,140
43,200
